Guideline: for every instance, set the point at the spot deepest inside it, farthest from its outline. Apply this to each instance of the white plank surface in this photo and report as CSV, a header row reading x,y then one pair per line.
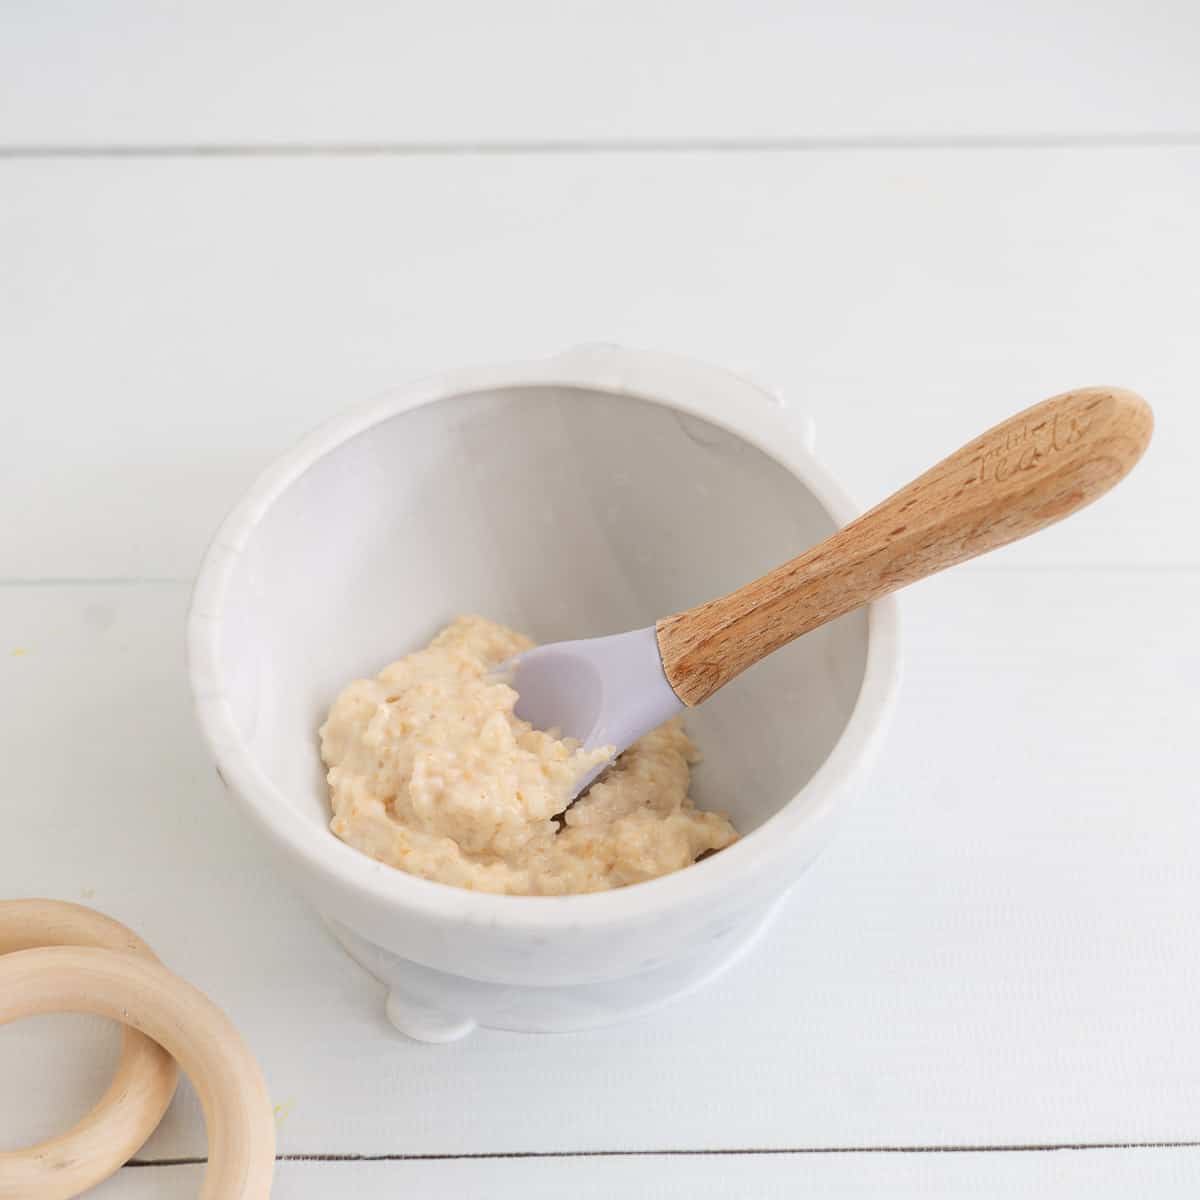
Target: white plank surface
x,y
166,327
997,951
1166,1174
137,72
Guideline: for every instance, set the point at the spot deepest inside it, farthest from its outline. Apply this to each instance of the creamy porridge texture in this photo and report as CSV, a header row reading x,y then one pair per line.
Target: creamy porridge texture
x,y
430,771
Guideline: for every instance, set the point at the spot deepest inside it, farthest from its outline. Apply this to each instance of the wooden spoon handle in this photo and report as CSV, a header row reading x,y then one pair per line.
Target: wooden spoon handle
x,y
1026,473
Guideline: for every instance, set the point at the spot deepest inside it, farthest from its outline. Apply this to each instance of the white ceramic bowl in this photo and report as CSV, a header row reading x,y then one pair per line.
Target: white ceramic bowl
x,y
569,497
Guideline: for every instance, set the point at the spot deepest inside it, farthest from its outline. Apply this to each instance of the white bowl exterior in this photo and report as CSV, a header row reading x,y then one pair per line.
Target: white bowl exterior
x,y
543,941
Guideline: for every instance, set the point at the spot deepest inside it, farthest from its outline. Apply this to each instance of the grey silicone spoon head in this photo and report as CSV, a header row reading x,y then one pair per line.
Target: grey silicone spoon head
x,y
1026,473
605,691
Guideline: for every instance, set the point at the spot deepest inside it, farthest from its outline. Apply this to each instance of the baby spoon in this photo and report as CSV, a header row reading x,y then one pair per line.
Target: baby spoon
x,y
1026,473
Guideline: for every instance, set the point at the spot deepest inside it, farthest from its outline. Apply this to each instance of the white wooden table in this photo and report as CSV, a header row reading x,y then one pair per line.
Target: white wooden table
x,y
222,224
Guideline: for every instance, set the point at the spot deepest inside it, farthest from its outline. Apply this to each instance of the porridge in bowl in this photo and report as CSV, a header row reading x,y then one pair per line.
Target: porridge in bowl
x,y
430,771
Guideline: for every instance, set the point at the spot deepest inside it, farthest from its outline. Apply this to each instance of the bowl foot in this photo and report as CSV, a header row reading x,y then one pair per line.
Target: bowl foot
x,y
434,1006
422,1023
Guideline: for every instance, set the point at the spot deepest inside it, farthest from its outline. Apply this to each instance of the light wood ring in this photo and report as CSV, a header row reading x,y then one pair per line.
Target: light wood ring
x,y
201,1038
142,1087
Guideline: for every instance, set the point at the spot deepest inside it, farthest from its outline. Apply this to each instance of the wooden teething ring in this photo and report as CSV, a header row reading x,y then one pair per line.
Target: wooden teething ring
x,y
115,975
140,1091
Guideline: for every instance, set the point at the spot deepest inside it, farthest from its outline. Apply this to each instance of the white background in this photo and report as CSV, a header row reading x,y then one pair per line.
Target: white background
x,y
221,223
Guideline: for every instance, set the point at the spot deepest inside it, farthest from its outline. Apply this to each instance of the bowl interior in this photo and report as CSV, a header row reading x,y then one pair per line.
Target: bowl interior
x,y
560,511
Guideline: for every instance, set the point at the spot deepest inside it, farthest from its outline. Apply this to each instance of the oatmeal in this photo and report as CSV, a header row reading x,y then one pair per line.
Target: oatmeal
x,y
430,771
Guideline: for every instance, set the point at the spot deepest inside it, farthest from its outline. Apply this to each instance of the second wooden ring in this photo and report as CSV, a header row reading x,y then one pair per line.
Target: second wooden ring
x,y
142,1086
128,988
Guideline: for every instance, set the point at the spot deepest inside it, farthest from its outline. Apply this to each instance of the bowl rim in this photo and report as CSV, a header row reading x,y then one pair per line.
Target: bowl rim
x,y
710,393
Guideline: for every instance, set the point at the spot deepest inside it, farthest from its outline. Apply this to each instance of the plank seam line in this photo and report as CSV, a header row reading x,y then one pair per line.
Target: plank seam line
x,y
665,145
1016,1148
133,581
67,581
